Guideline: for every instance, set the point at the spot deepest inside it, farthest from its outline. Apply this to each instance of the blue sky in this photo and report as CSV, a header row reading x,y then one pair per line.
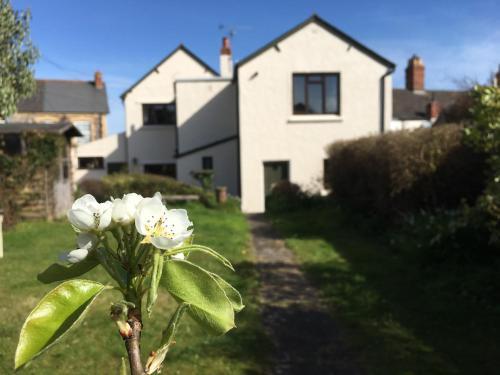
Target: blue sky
x,y
125,38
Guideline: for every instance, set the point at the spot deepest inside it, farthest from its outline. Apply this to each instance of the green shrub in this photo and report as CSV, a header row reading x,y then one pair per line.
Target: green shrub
x,y
484,135
116,185
406,171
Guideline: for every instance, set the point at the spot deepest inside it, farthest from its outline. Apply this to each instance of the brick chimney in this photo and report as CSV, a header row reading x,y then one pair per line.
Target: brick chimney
x,y
98,82
496,80
226,59
433,110
415,73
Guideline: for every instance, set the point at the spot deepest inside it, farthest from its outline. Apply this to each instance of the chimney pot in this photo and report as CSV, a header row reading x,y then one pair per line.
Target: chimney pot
x,y
415,74
226,59
98,82
226,46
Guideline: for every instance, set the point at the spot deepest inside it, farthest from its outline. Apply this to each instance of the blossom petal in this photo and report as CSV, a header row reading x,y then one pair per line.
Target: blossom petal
x,y
120,212
105,212
81,219
75,256
131,201
163,243
149,212
86,241
86,202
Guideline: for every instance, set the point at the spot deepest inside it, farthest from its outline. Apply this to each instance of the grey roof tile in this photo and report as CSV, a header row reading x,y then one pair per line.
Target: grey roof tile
x,y
409,105
66,97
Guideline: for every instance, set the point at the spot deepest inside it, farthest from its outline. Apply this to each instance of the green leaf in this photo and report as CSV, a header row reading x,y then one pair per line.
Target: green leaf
x,y
54,316
208,304
232,294
155,361
155,280
203,249
59,272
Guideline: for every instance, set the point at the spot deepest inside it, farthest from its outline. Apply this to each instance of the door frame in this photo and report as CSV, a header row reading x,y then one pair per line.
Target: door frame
x,y
271,162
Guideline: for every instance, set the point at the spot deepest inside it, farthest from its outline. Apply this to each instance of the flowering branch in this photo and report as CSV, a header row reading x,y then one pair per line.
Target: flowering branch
x,y
141,245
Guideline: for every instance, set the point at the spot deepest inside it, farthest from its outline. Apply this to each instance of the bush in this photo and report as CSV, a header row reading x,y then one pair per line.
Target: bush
x,y
406,171
286,196
116,185
484,135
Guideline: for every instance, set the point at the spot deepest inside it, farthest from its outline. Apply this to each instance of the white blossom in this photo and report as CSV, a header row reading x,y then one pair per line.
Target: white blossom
x,y
164,228
86,242
87,214
124,209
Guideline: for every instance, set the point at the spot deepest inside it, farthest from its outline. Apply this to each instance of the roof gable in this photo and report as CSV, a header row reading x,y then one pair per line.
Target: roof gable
x,y
330,28
181,47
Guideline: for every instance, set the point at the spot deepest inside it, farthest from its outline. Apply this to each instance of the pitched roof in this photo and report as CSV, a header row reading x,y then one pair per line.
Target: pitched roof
x,y
409,105
65,97
180,47
329,27
63,128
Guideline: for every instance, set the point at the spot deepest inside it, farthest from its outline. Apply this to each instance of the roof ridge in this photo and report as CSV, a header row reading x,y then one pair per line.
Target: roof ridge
x,y
339,33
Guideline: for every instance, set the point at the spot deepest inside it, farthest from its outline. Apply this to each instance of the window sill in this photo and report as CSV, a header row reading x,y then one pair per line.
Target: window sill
x,y
156,127
294,119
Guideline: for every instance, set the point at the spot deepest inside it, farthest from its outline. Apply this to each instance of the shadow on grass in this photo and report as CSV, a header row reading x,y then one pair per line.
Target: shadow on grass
x,y
401,317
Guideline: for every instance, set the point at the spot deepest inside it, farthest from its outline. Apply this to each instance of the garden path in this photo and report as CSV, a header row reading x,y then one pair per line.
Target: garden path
x,y
307,340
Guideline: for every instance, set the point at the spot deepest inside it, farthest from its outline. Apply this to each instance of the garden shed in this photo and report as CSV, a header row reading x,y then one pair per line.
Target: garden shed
x,y
35,169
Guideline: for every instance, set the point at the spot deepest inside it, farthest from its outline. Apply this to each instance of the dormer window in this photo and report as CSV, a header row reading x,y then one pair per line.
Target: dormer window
x,y
159,114
317,93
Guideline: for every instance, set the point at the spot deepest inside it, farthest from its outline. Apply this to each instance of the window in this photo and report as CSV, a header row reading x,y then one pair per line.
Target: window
x,y
326,173
159,114
207,163
91,163
84,128
169,170
316,94
117,168
11,144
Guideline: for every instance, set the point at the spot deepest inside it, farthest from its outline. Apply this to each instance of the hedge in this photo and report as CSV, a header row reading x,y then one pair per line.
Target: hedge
x,y
116,185
406,171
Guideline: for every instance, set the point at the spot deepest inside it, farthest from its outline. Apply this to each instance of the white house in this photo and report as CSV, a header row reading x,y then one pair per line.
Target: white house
x,y
268,118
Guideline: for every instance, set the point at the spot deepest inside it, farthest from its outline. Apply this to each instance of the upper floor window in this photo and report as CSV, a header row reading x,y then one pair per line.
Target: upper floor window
x,y
317,93
85,128
159,114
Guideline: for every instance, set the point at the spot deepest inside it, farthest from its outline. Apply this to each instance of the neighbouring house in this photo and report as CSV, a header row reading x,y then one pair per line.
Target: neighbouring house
x,y
82,103
49,193
415,106
268,118
75,109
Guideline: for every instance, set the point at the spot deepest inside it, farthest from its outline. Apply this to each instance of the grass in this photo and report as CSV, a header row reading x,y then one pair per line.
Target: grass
x,y
401,315
95,347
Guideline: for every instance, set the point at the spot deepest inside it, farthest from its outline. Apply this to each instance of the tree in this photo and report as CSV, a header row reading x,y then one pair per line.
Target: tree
x,y
484,136
17,56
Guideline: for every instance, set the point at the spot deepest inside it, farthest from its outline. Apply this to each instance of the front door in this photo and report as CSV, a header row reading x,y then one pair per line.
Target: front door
x,y
274,172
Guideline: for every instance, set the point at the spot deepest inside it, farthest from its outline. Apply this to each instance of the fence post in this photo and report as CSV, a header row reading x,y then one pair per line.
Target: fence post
x,y
1,234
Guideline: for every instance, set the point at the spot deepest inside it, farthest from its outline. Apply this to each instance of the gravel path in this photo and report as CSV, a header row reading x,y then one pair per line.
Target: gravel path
x,y
306,338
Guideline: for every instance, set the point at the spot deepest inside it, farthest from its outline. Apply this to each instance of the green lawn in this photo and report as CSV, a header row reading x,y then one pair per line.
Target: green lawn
x,y
402,316
95,347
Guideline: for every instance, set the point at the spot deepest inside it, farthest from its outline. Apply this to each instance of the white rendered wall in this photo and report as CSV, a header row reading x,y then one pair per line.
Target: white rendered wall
x,y
112,148
408,124
156,144
270,132
206,112
225,160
